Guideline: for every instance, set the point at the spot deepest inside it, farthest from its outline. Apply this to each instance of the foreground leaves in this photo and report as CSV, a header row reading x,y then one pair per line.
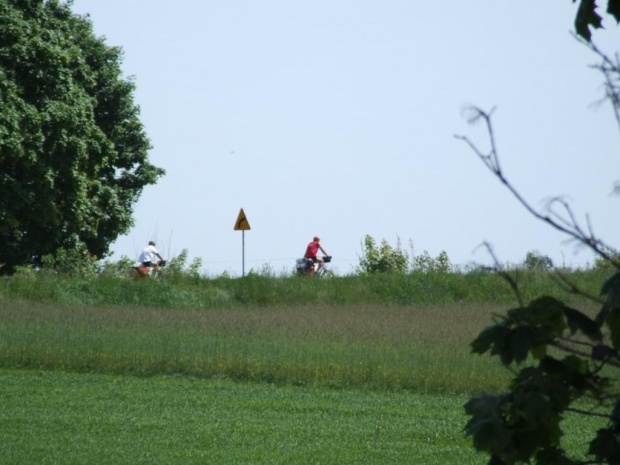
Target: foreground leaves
x,y
524,424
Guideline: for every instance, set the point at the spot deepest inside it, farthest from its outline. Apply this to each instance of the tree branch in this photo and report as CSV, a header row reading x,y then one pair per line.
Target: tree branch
x,y
504,274
565,221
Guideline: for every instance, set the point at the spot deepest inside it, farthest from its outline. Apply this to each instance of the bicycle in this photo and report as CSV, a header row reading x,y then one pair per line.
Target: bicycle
x,y
306,267
140,271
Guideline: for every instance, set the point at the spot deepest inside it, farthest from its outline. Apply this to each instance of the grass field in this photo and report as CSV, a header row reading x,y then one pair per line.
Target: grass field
x,y
424,348
67,418
54,417
92,374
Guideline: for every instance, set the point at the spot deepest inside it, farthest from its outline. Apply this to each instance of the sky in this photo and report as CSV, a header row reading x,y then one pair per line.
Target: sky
x,y
338,119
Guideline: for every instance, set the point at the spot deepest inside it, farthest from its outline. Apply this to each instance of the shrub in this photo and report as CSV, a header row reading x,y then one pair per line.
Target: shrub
x,y
385,259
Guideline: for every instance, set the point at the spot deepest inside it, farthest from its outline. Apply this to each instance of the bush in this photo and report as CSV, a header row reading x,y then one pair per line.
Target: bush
x,y
386,259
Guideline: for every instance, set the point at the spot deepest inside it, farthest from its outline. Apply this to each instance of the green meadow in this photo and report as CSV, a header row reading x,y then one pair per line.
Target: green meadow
x,y
254,370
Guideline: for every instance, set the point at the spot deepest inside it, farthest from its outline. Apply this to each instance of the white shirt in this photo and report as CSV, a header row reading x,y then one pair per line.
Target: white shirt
x,y
148,254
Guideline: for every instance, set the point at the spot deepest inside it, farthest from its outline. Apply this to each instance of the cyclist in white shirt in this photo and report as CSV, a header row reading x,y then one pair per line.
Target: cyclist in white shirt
x,y
149,255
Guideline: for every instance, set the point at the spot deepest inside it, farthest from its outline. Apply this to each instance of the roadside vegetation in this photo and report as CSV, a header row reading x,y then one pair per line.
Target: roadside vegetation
x,y
387,330
386,275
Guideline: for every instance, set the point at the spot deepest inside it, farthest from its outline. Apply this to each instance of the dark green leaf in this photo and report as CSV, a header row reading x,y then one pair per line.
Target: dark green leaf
x,y
605,447
486,426
602,352
520,343
578,321
615,414
485,340
554,456
586,18
612,285
613,323
546,313
613,8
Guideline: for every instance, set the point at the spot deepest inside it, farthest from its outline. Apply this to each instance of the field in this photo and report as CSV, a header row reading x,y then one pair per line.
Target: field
x,y
249,381
55,417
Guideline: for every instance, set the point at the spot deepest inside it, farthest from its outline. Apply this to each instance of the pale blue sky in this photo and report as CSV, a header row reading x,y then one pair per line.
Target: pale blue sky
x,y
338,118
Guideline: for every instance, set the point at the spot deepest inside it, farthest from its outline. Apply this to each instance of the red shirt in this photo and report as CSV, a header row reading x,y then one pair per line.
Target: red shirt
x,y
312,249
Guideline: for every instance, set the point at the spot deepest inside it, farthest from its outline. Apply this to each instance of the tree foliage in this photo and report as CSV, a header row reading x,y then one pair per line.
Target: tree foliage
x,y
73,153
535,261
384,259
427,264
561,356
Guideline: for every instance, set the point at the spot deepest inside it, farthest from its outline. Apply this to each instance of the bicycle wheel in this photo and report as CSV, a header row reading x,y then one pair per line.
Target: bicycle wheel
x,y
324,273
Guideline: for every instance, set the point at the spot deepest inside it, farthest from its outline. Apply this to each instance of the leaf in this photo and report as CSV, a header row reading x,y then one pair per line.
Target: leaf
x,y
612,285
605,446
520,343
586,17
539,352
547,314
602,352
486,426
610,289
536,407
484,341
554,456
613,323
615,414
613,8
578,321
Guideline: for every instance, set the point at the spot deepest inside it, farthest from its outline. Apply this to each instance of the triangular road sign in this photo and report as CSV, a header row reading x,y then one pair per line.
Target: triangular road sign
x,y
242,223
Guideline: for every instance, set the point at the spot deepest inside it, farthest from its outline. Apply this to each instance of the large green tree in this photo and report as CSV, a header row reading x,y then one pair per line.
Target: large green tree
x,y
565,361
73,152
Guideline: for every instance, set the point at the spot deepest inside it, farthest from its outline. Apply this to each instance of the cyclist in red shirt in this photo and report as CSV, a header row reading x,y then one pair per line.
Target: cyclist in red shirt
x,y
312,250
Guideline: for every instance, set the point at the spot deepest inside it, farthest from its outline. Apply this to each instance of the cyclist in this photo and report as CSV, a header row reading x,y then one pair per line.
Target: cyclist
x,y
148,255
312,249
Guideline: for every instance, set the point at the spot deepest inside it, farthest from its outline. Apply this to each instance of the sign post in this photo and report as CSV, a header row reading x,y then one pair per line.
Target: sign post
x,y
242,225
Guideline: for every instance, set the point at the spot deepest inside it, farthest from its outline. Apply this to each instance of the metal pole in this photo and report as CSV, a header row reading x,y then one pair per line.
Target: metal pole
x,y
243,253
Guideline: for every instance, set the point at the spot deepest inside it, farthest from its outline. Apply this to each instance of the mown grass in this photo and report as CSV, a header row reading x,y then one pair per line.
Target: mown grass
x,y
58,417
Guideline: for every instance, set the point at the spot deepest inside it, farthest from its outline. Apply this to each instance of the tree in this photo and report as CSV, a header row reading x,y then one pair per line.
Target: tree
x,y
73,153
571,356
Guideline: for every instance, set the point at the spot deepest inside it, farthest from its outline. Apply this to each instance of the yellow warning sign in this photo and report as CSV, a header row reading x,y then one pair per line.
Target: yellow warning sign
x,y
242,223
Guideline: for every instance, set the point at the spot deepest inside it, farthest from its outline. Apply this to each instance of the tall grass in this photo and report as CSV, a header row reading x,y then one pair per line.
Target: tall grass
x,y
385,347
382,331
180,291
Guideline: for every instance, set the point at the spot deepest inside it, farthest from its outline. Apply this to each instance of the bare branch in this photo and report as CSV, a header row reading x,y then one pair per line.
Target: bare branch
x,y
611,72
504,274
562,219
568,286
